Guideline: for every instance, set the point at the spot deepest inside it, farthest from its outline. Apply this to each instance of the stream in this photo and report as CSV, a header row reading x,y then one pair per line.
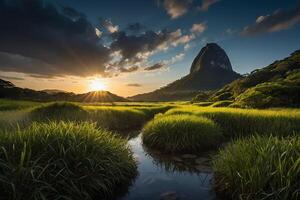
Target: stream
x,y
184,177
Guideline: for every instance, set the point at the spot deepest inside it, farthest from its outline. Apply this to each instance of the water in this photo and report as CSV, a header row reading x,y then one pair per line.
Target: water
x,y
169,178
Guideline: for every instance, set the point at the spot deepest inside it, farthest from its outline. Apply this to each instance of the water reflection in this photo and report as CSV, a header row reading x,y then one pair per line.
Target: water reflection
x,y
169,177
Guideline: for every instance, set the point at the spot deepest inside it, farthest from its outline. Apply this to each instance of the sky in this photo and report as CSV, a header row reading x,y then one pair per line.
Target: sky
x,y
134,46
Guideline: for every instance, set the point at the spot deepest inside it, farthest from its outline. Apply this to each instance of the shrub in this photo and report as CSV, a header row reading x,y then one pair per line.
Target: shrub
x,y
63,161
181,133
259,168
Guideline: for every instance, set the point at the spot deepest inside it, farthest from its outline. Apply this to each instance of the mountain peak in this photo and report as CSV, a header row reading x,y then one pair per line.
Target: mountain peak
x,y
211,56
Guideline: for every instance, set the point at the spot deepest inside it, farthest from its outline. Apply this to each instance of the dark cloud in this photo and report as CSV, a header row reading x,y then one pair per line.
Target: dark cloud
x,y
134,85
135,27
72,12
11,78
138,47
48,41
279,20
176,8
207,3
128,70
155,67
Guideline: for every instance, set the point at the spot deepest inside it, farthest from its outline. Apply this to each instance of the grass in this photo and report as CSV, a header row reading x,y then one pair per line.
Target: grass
x,y
59,111
64,155
259,168
181,134
244,122
8,104
120,118
63,161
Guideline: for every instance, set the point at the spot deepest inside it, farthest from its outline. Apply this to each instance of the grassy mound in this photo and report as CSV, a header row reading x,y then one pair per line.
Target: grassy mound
x,y
109,117
245,122
259,168
114,118
59,111
63,161
181,133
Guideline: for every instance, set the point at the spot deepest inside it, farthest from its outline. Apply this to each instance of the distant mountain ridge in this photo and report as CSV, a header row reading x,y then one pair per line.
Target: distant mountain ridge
x,y
210,70
10,91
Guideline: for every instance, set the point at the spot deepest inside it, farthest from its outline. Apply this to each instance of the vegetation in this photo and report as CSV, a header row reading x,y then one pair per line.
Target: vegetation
x,y
222,103
244,122
63,161
119,118
6,104
277,85
54,150
259,168
181,133
59,111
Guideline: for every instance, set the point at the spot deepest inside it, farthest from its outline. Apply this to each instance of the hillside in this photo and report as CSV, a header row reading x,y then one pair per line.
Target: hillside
x,y
210,70
10,91
273,86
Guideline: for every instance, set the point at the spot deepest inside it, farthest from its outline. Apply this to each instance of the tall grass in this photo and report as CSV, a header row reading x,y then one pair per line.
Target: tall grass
x,y
181,133
259,168
120,118
63,161
245,122
117,118
9,104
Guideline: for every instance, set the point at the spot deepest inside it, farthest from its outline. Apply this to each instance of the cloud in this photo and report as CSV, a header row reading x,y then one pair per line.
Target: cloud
x,y
177,8
11,78
134,85
128,70
198,28
106,23
47,42
175,59
155,66
207,3
279,20
135,27
62,42
136,49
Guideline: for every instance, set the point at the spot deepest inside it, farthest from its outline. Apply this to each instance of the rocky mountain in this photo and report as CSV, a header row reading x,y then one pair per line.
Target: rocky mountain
x,y
10,91
210,70
277,85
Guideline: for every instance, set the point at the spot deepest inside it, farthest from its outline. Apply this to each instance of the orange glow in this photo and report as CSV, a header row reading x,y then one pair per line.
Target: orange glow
x,y
97,84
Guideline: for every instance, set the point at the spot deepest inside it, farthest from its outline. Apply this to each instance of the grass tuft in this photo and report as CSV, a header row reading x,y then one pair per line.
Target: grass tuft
x,y
181,134
63,161
259,168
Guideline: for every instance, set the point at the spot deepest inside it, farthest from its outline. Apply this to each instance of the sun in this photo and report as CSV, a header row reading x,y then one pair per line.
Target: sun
x,y
97,84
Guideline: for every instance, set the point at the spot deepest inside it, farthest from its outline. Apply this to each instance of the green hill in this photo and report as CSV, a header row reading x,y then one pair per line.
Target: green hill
x,y
277,85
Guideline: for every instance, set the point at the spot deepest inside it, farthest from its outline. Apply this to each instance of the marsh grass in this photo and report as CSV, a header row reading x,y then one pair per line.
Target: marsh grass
x,y
259,168
59,111
118,118
9,104
244,122
181,134
63,161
